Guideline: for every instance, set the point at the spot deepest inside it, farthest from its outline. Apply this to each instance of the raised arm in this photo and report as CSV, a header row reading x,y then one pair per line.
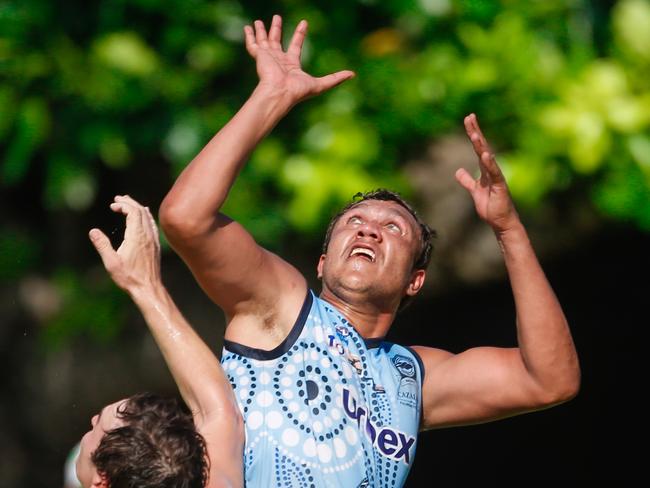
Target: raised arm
x,y
487,383
244,279
135,267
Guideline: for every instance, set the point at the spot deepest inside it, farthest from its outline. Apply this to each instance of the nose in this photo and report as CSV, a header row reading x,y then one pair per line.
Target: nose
x,y
369,229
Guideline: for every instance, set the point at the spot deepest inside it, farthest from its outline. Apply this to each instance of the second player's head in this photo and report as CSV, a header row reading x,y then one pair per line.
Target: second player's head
x,y
144,441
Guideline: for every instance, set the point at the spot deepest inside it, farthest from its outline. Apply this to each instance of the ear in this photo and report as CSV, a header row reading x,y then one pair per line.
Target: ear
x,y
99,481
416,282
321,264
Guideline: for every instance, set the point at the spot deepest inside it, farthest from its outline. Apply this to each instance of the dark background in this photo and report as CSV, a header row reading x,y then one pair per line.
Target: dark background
x,y
591,440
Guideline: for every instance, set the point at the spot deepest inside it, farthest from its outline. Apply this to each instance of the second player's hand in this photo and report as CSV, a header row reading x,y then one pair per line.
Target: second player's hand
x,y
280,70
489,191
135,265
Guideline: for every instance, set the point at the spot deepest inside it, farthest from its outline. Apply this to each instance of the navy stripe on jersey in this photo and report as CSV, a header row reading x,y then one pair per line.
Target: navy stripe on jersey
x,y
281,348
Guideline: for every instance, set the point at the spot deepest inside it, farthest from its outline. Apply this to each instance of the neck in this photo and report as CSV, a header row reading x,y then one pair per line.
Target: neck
x,y
369,320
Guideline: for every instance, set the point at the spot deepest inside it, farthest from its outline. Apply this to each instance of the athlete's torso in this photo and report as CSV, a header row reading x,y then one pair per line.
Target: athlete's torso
x,y
326,408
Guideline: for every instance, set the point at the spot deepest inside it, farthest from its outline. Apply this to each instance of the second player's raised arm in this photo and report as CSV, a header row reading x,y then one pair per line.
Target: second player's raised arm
x,y
226,261
135,267
201,382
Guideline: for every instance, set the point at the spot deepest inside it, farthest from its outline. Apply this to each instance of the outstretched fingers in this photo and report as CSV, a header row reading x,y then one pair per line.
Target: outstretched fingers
x,y
490,166
465,179
475,135
275,33
260,33
251,42
487,161
295,46
257,36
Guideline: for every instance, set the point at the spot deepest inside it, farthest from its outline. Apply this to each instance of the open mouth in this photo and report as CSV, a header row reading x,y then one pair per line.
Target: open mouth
x,y
363,252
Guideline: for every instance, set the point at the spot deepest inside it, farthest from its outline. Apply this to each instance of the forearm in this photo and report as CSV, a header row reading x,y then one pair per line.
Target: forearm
x,y
196,370
201,189
544,338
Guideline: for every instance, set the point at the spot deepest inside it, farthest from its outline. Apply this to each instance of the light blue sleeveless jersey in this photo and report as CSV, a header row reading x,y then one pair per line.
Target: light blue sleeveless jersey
x,y
326,408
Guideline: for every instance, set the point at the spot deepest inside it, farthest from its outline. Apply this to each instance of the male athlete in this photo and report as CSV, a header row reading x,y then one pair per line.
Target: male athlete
x,y
326,401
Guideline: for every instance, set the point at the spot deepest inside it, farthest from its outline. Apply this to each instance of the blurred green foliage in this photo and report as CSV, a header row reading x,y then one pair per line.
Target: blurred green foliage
x,y
90,307
98,88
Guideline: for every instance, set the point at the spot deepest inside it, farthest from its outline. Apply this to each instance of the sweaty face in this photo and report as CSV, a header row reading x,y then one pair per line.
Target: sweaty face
x,y
101,423
372,250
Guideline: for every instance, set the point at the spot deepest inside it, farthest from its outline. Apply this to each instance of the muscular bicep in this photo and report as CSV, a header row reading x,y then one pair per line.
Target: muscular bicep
x,y
475,386
243,278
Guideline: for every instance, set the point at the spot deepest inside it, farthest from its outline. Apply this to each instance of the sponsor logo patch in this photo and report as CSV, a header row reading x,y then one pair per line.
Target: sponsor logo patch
x,y
407,393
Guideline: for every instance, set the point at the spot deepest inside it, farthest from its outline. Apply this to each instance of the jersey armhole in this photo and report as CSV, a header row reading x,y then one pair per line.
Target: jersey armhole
x,y
419,360
284,346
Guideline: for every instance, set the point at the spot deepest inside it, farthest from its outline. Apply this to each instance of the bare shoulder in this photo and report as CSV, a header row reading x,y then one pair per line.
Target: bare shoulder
x,y
432,356
264,320
259,292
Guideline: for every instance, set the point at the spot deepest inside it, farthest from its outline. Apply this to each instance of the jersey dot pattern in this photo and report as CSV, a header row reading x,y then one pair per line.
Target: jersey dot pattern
x,y
326,408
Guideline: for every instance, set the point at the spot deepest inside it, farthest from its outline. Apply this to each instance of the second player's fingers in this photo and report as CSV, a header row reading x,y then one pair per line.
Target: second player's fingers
x,y
125,200
104,249
129,199
295,46
138,211
152,224
125,206
132,209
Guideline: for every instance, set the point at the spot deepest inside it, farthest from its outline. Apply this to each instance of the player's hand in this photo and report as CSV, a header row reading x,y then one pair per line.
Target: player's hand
x,y
280,70
489,191
136,263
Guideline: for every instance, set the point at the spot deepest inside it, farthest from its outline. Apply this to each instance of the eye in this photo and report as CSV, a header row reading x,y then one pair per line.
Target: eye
x,y
355,220
393,227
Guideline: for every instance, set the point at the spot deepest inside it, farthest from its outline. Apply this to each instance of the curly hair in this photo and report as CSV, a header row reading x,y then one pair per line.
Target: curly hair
x,y
158,446
427,234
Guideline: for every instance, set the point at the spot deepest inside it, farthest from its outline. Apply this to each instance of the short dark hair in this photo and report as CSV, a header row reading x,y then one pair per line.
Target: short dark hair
x,y
157,447
427,234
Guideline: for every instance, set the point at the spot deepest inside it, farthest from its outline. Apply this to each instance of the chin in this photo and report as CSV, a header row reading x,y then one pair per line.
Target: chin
x,y
350,288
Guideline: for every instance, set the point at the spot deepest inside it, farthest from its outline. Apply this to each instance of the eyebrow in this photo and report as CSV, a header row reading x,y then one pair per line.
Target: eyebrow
x,y
399,212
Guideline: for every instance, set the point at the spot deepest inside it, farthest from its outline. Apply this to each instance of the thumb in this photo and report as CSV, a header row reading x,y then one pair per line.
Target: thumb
x,y
104,248
330,81
465,179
